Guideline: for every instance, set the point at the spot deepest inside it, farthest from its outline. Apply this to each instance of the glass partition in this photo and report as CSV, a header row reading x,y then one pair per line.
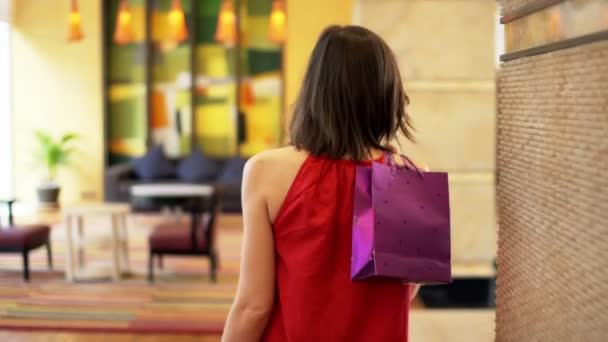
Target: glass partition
x,y
170,120
184,95
126,87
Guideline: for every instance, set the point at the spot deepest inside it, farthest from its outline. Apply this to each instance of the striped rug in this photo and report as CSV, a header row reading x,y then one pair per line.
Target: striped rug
x,y
182,300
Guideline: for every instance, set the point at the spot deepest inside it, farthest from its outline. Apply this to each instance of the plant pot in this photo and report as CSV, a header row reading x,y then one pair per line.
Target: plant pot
x,y
48,196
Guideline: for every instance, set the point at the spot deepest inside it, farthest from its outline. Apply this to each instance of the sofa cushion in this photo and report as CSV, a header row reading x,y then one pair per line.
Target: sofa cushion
x,y
233,171
196,168
154,165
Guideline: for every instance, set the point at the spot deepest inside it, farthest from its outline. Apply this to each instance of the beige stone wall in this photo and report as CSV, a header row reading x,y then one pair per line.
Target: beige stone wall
x,y
446,55
553,196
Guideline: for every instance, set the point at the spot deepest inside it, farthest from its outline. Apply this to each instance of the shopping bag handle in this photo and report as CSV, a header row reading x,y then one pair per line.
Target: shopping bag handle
x,y
407,162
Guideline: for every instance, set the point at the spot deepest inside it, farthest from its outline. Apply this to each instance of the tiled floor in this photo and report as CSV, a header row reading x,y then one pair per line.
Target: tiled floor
x,y
425,326
452,325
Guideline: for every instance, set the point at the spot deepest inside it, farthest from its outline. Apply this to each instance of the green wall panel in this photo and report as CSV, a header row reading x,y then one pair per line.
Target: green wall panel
x,y
261,61
259,7
127,118
168,64
209,7
165,5
127,63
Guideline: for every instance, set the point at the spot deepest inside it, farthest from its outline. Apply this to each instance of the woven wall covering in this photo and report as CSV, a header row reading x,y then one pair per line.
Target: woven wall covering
x,y
552,162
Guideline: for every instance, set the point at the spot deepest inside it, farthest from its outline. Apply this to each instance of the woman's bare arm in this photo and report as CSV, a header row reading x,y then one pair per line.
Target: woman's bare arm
x,y
255,294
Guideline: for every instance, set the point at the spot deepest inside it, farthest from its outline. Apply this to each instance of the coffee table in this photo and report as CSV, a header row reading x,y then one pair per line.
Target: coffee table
x,y
191,198
74,216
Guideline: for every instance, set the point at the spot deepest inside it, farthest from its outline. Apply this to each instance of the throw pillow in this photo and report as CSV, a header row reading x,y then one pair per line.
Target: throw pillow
x,y
196,168
233,171
154,165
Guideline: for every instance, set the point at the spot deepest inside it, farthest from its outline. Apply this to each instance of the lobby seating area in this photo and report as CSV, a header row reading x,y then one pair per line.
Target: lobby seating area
x,y
140,121
126,125
224,174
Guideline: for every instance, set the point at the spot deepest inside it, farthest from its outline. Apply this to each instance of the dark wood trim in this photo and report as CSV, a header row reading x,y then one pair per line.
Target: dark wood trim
x,y
105,78
561,45
284,105
237,74
9,205
149,55
528,9
193,71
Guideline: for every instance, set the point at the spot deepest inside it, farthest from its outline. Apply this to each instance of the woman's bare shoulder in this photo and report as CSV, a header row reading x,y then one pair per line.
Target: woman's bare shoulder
x,y
279,158
270,174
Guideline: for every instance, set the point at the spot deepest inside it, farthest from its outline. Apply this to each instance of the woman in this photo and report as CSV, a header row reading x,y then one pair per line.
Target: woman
x,y
298,202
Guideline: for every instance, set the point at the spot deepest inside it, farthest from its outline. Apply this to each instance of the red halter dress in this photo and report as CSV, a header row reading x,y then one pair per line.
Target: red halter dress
x,y
316,301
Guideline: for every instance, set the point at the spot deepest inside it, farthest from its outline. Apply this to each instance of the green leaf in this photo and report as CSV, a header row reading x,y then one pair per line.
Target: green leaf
x,y
44,139
54,153
69,137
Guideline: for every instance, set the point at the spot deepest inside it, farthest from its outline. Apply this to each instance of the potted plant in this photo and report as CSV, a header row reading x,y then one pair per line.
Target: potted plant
x,y
52,155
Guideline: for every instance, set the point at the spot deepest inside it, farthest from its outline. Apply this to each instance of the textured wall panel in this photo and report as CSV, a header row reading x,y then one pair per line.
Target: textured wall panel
x,y
562,21
553,196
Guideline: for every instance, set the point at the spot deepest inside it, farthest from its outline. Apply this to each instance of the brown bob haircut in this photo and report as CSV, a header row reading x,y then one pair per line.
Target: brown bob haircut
x,y
352,99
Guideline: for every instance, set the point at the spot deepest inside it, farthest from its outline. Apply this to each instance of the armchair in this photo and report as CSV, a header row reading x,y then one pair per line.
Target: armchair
x,y
24,238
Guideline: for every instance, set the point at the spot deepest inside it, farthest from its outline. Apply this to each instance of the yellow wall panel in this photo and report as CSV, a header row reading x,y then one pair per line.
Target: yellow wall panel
x,y
56,87
306,19
212,61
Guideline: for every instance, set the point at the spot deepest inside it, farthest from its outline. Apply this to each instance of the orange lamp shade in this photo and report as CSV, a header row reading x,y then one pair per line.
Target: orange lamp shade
x,y
177,22
75,26
226,24
124,32
277,27
160,117
246,94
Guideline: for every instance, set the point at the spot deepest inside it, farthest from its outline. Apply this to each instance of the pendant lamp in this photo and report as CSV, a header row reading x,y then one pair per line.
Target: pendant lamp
x,y
277,27
226,24
75,26
123,34
177,22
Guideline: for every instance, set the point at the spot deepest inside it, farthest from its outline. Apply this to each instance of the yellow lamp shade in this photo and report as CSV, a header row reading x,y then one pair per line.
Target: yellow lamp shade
x,y
74,24
124,32
277,27
226,24
177,22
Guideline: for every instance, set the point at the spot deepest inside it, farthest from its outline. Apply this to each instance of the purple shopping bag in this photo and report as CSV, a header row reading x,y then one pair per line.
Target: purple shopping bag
x,y
401,224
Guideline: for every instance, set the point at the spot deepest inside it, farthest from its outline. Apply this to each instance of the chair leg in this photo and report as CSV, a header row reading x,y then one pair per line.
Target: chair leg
x,y
160,261
49,255
151,268
26,265
213,271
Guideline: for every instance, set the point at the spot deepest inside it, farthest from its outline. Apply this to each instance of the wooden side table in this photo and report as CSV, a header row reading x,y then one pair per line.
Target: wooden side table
x,y
119,234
